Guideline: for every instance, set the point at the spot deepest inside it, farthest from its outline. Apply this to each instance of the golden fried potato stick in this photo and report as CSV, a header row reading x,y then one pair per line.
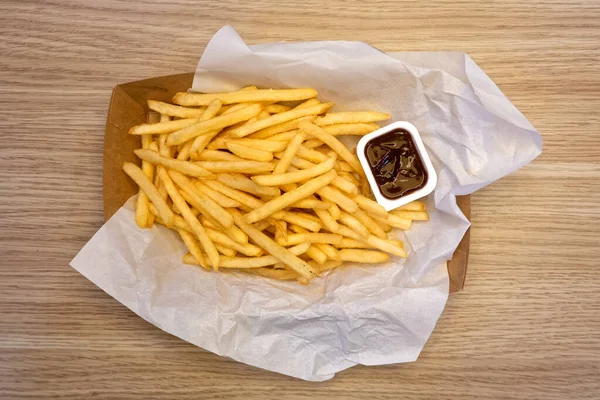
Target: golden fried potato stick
x,y
245,184
279,203
193,247
354,224
260,144
146,185
370,206
249,153
369,223
213,124
206,203
338,198
279,118
363,256
329,250
286,159
412,215
162,127
293,177
387,246
185,167
319,133
218,197
297,238
175,111
244,96
273,248
416,205
360,129
247,167
351,117
190,218
271,131
276,108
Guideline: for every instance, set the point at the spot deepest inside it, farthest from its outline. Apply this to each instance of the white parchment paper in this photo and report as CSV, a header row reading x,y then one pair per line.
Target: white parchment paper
x,y
361,314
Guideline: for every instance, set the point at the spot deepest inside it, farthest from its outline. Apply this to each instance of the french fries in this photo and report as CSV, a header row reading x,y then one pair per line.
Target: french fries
x,y
263,188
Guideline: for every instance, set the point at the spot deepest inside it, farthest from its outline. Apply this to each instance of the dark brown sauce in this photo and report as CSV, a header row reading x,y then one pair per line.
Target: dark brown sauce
x,y
396,164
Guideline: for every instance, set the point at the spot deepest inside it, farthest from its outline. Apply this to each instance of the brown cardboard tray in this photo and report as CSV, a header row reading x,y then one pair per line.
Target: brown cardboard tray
x,y
128,107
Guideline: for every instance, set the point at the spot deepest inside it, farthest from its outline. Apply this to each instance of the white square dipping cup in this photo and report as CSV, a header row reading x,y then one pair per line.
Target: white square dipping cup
x,y
390,204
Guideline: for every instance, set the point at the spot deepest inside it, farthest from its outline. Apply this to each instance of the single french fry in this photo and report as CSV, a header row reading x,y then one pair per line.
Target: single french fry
x,y
370,206
226,251
326,266
247,167
205,202
363,256
351,129
394,221
280,118
297,238
312,143
298,219
243,183
221,238
338,198
209,113
316,254
349,243
349,233
285,137
301,163
345,185
333,209
329,250
193,247
218,197
273,248
185,167
327,220
288,198
293,177
280,128
146,185
257,262
175,111
369,223
311,155
289,153
244,96
260,144
250,202
354,224
216,155
412,215
387,246
343,166
307,103
416,205
162,127
319,133
249,153
277,108
312,204
384,227
351,117
213,124
190,218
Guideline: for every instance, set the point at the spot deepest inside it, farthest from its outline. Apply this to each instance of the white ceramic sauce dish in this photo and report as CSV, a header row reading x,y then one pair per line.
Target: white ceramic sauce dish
x,y
427,188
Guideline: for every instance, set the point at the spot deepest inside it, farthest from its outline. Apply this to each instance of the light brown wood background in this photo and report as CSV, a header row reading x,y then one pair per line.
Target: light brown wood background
x,y
527,324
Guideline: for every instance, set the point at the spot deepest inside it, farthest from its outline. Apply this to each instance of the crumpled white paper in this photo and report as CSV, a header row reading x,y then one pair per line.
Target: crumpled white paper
x,y
356,315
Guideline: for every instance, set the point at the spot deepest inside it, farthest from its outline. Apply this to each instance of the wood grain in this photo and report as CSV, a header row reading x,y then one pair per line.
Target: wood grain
x,y
527,324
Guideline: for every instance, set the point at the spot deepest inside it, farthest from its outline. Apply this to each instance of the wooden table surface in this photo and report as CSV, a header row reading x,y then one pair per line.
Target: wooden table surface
x,y
527,324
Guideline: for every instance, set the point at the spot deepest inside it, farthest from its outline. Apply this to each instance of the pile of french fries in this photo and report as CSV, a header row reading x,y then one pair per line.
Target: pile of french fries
x,y
257,181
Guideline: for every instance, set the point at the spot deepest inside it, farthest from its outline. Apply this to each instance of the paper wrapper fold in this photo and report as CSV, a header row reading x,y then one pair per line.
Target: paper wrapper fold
x,y
359,314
